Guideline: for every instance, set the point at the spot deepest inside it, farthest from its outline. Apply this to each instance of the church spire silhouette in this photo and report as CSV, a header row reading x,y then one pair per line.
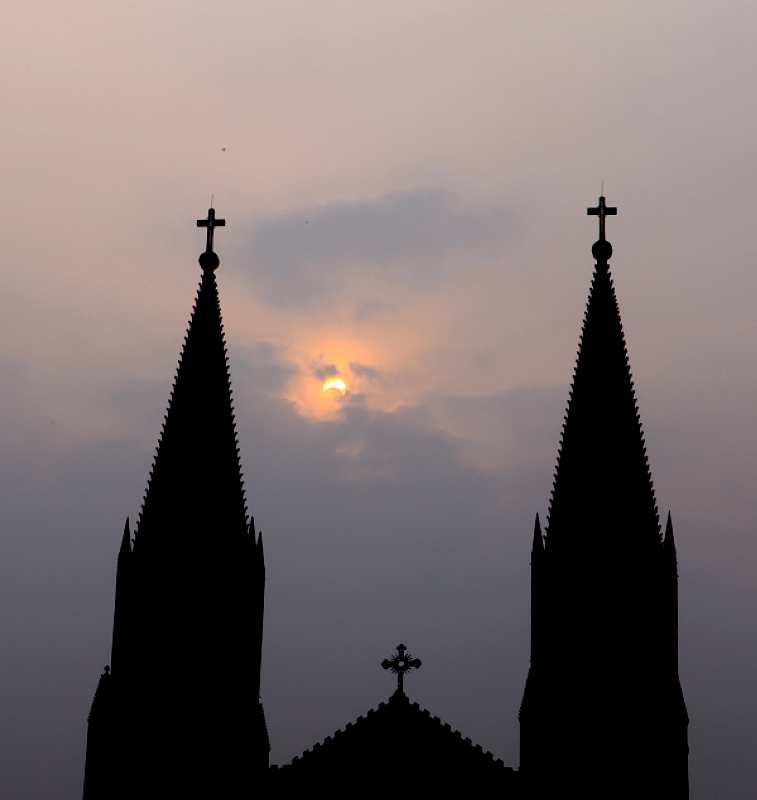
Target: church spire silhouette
x,y
603,713
180,713
602,464
196,472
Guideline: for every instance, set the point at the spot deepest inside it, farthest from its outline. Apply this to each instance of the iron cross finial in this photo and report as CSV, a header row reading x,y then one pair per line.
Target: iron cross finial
x,y
211,223
209,260
602,210
400,663
602,249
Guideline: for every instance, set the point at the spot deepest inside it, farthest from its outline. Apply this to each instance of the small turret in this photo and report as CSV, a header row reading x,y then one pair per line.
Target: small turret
x,y
670,590
537,567
99,759
121,610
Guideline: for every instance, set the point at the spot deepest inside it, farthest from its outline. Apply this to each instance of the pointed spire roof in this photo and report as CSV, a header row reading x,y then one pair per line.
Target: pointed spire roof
x,y
602,486
196,480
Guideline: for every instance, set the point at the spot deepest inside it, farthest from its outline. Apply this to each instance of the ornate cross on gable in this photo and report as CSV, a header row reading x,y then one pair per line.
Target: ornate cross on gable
x,y
602,210
211,223
400,663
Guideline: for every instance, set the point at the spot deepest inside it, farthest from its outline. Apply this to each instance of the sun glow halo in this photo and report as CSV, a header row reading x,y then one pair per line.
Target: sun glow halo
x,y
334,384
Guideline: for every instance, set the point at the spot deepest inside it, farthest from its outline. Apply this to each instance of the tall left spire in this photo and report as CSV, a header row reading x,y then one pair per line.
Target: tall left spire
x,y
196,474
180,714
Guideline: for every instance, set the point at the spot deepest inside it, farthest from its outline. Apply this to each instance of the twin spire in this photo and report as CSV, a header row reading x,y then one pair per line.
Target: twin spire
x,y
602,469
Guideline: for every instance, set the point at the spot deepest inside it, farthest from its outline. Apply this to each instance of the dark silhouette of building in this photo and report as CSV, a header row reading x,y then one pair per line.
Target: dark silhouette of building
x,y
396,747
603,713
178,713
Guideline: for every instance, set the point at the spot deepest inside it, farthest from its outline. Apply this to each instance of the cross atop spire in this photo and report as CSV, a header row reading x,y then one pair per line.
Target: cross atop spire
x,y
196,482
602,249
209,260
211,223
400,663
601,210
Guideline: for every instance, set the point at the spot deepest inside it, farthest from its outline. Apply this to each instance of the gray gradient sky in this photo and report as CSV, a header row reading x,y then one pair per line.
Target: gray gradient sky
x,y
405,185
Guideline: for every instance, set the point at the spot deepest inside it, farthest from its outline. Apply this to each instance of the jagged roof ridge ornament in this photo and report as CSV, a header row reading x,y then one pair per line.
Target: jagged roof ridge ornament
x,y
602,308
400,663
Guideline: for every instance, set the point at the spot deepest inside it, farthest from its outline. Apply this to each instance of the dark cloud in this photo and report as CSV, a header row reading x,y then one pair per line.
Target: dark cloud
x,y
323,371
409,238
365,371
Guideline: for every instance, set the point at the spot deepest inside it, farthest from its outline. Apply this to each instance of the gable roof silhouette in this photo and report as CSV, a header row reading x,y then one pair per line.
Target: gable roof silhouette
x,y
396,739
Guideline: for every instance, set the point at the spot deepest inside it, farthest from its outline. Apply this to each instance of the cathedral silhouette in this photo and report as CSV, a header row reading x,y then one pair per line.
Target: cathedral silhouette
x,y
603,713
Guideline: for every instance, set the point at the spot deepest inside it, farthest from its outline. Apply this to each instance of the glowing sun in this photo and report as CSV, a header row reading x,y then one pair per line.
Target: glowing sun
x,y
334,384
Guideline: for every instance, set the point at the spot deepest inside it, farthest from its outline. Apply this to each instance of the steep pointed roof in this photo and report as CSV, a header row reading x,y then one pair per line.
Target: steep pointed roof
x,y
399,739
602,484
196,479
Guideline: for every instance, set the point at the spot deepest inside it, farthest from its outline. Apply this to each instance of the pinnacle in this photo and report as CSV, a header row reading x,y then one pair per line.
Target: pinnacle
x,y
126,539
669,540
538,545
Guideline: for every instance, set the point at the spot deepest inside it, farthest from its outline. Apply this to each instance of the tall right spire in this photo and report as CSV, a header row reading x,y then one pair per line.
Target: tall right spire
x,y
603,713
602,470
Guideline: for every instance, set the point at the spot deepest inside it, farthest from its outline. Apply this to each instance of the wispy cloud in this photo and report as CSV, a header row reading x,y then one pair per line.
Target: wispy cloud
x,y
323,371
365,371
411,238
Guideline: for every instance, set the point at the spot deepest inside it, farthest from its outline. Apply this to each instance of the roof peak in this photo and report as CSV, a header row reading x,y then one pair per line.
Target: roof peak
x,y
386,713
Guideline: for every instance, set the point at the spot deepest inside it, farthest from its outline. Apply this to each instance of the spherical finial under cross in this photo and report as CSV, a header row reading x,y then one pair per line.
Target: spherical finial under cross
x,y
602,249
209,261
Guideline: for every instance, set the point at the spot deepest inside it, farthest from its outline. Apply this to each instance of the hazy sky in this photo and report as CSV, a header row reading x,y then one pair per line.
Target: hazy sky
x,y
405,186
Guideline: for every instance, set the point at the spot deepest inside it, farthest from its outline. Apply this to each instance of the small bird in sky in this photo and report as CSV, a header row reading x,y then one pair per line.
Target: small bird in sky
x,y
223,149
